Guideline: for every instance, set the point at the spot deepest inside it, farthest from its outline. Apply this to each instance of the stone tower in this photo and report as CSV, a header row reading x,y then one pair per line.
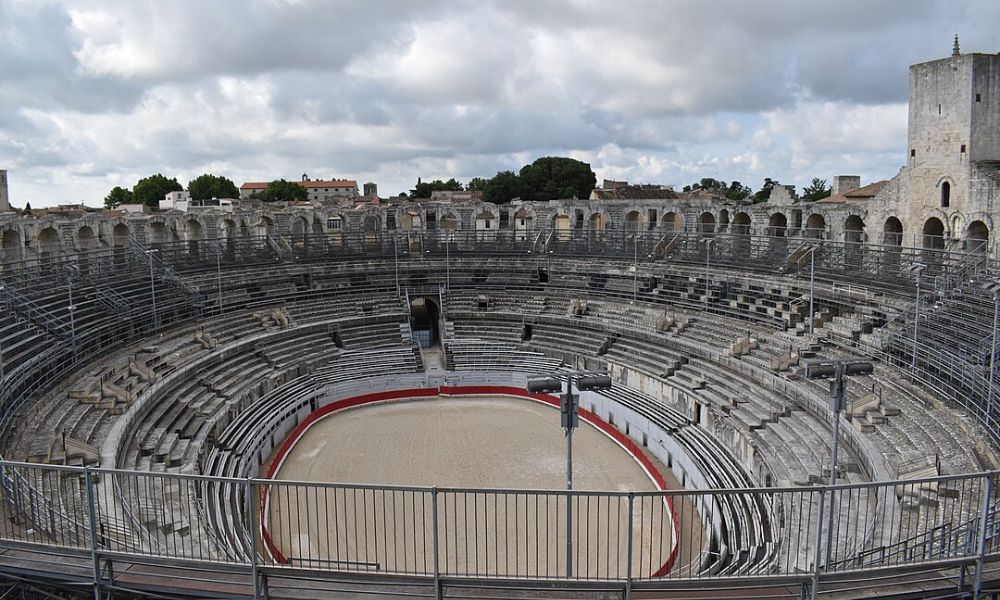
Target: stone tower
x,y
4,197
954,123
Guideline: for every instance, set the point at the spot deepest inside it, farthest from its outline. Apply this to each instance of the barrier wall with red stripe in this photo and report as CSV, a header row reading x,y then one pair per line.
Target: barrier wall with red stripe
x,y
476,390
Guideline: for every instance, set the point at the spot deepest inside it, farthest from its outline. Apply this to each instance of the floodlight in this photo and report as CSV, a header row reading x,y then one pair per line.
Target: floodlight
x,y
544,386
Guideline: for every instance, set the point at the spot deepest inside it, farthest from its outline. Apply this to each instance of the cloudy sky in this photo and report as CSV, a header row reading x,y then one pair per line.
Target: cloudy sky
x,y
95,94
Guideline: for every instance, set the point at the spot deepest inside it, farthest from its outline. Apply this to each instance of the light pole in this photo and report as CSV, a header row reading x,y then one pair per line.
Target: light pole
x,y
569,408
708,264
72,309
993,286
812,287
635,268
918,270
836,370
447,262
2,288
152,284
395,258
218,274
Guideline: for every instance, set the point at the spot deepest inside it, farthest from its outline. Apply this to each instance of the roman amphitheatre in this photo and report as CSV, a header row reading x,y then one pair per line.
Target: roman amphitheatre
x,y
293,401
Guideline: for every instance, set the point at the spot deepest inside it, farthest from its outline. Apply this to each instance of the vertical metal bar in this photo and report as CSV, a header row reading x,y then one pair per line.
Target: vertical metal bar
x,y
252,523
435,544
569,500
916,325
218,273
812,286
993,355
819,542
628,550
983,532
92,516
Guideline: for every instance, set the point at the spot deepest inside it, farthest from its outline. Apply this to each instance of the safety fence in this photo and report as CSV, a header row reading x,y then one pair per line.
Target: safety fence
x,y
503,534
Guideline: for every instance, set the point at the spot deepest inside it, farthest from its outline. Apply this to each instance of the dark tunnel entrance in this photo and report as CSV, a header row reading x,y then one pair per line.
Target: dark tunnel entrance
x,y
424,321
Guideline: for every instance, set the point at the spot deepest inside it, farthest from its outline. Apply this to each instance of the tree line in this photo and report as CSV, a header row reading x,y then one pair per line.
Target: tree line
x,y
547,178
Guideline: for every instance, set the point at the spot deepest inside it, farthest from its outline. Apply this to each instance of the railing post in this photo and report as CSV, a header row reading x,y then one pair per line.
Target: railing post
x,y
628,558
816,547
253,525
436,543
93,520
983,534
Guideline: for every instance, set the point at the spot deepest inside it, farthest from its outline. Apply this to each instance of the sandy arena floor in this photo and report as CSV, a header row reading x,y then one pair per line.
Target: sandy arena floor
x,y
462,443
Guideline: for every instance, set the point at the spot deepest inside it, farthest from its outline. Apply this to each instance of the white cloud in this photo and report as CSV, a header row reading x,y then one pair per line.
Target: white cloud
x,y
99,93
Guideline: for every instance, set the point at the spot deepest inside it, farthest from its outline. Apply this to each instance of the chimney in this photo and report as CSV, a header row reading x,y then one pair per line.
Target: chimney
x,y
845,183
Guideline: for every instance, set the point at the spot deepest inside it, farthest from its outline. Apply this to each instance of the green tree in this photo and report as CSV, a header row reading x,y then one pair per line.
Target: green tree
x,y
554,177
424,189
207,186
117,196
477,184
765,191
150,190
284,191
817,190
709,183
738,192
502,188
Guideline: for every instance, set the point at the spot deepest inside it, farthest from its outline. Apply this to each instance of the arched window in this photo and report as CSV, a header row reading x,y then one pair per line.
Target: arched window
x,y
945,194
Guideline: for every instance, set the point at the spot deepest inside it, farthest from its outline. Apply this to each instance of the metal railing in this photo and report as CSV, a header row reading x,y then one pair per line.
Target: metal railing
x,y
507,534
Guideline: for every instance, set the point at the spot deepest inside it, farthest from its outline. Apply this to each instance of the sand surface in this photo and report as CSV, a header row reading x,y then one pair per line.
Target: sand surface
x,y
462,442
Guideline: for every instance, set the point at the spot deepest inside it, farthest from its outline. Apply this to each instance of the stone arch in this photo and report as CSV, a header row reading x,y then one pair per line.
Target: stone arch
x,y
854,229
777,225
119,235
264,226
193,234
372,225
411,219
193,231
486,221
741,224
49,244
892,232
597,223
524,220
449,221
977,237
815,226
561,224
706,223
11,242
85,238
671,223
933,233
228,229
11,239
156,233
633,221
300,231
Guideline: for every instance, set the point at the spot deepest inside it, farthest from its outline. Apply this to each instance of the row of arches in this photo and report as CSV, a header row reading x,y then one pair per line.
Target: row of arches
x,y
976,235
932,234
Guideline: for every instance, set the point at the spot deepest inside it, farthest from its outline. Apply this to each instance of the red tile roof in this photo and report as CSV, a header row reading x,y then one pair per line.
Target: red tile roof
x,y
862,193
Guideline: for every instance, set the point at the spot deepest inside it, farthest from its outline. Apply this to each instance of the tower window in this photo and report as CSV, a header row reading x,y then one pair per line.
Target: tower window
x,y
913,152
963,149
939,109
979,97
945,194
